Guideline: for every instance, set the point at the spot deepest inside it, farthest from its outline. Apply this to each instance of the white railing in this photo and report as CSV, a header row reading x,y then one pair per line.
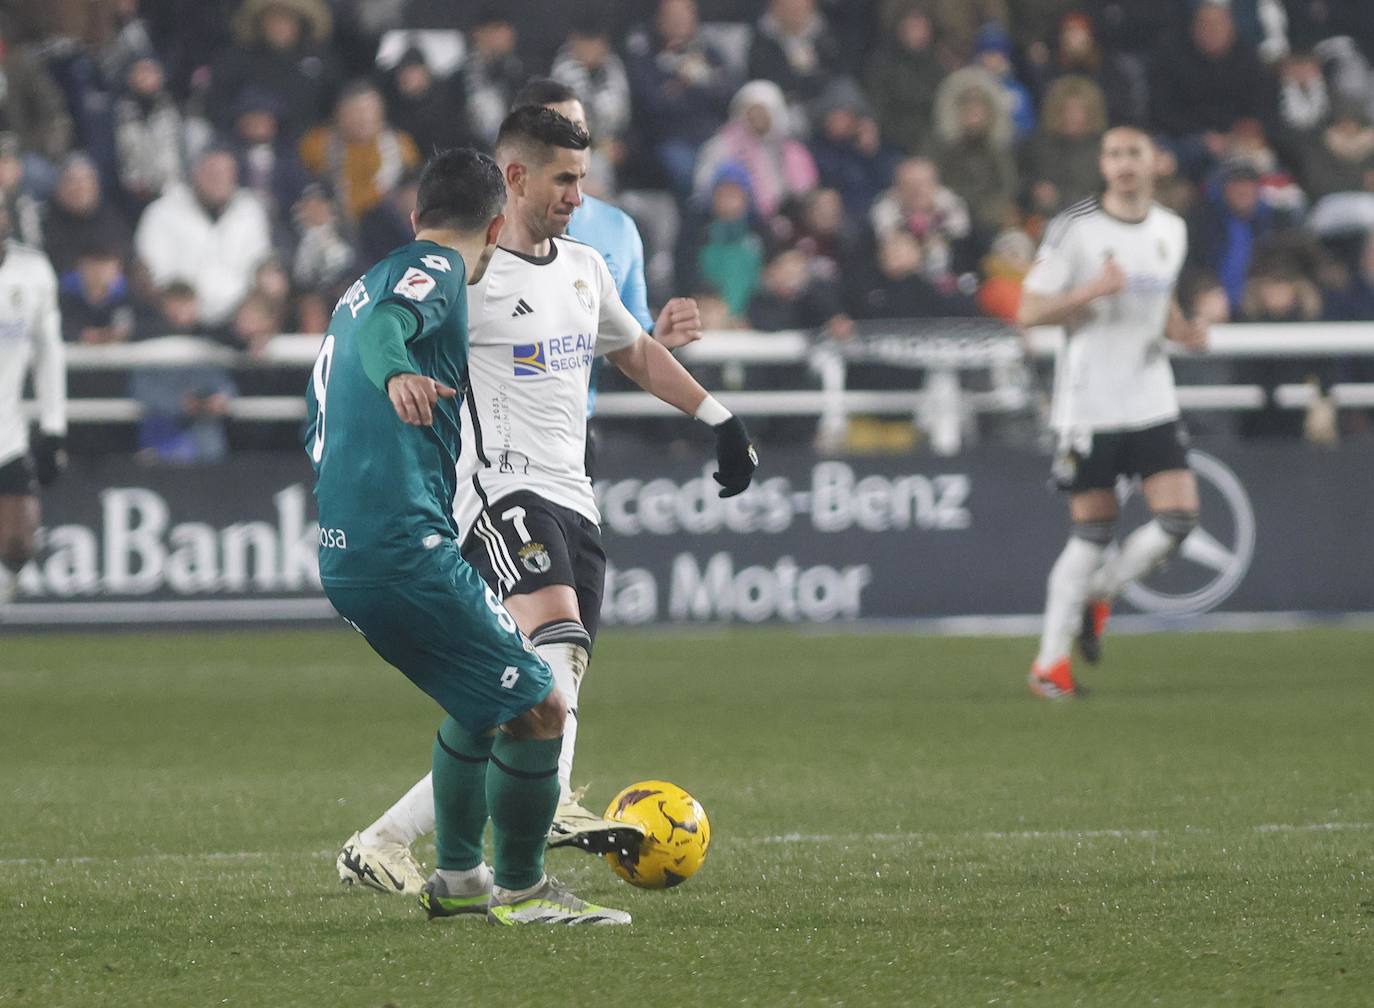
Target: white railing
x,y
942,406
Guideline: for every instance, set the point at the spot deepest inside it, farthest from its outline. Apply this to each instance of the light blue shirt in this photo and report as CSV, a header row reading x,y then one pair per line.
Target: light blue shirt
x,y
612,232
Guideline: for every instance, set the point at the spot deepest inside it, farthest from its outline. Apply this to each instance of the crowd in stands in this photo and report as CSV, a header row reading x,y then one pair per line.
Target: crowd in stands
x,y
227,167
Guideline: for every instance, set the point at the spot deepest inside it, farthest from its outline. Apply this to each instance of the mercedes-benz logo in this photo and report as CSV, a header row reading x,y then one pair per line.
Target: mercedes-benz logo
x,y
1214,559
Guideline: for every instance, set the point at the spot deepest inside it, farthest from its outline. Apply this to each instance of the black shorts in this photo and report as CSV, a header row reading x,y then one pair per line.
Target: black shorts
x,y
17,478
1111,454
522,543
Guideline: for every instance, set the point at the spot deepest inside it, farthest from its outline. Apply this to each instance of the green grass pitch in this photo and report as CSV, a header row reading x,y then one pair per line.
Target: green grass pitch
x,y
896,822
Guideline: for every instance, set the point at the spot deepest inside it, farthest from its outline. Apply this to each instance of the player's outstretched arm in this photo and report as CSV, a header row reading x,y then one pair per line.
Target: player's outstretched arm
x,y
50,389
388,365
649,365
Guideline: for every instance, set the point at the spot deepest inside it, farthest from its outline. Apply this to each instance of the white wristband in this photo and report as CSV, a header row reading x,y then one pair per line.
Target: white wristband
x,y
711,412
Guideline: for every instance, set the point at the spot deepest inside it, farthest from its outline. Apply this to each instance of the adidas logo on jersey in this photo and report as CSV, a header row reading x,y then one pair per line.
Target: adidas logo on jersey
x,y
521,308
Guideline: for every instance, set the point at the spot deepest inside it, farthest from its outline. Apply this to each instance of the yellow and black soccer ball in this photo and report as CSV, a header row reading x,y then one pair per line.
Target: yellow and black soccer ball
x,y
676,834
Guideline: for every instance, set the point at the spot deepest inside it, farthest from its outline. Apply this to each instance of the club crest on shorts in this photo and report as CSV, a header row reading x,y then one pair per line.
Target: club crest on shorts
x,y
584,293
535,558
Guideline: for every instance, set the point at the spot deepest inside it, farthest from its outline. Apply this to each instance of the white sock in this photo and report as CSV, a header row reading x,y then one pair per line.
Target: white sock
x,y
470,879
1066,593
1144,550
569,664
405,822
512,895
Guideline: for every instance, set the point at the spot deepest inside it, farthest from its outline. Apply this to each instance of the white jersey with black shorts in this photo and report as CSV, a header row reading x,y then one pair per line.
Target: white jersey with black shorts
x,y
524,507
30,341
1115,411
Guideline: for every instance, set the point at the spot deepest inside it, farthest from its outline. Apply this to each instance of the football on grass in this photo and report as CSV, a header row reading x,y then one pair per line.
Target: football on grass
x,y
676,834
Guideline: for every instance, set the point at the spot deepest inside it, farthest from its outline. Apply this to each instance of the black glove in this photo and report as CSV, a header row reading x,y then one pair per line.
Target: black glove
x,y
736,457
49,458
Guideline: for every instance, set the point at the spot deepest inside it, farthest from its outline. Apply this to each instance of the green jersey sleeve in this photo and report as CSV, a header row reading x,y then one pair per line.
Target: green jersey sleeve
x,y
429,282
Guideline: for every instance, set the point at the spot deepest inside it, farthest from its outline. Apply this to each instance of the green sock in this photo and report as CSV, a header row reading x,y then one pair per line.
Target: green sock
x,y
460,796
522,794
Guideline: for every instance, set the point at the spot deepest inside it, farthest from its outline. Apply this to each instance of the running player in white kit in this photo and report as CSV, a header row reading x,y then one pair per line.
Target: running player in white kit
x,y
1106,271
30,341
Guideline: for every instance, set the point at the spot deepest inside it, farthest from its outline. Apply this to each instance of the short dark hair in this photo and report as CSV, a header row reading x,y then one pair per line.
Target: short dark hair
x,y
533,131
461,189
539,91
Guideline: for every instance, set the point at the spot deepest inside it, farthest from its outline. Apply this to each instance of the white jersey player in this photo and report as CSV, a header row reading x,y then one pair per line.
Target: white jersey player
x,y
1106,271
30,342
544,309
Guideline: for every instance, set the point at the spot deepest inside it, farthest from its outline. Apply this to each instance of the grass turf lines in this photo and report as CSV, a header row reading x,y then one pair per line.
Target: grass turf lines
x,y
896,822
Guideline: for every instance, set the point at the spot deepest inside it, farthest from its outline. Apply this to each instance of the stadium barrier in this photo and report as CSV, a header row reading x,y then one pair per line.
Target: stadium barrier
x,y
817,540
941,354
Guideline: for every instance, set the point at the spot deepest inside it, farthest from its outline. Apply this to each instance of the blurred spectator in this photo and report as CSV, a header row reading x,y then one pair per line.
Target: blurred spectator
x,y
848,149
26,212
587,64
934,215
1207,83
1276,293
422,105
1172,189
150,141
898,288
282,47
992,52
825,232
958,21
1201,295
1341,158
680,86
730,259
324,260
79,216
212,235
387,225
1304,101
1077,53
268,165
758,138
360,155
793,48
1356,302
184,408
902,78
491,74
1228,225
1059,162
258,319
33,109
791,298
975,146
95,298
128,38
1004,269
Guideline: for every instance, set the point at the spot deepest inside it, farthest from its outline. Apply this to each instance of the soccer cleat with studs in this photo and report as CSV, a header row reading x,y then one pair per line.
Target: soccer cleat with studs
x,y
386,868
1055,682
551,903
439,900
579,827
1090,633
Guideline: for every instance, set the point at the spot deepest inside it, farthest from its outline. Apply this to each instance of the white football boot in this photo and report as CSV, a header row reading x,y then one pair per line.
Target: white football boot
x,y
574,825
387,868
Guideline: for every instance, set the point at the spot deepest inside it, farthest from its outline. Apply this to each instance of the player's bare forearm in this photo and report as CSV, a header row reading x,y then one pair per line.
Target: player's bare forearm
x,y
649,365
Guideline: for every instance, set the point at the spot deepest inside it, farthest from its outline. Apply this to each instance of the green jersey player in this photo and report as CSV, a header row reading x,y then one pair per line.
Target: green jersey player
x,y
383,434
